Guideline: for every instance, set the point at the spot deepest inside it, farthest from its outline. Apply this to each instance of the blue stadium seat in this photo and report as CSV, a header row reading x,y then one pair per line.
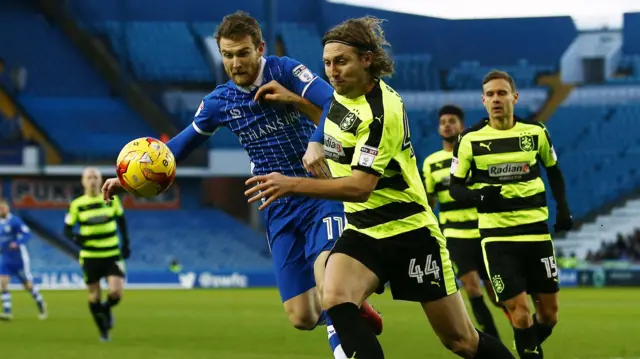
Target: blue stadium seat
x,y
159,51
204,29
55,66
206,239
86,128
303,43
44,257
595,143
414,72
469,74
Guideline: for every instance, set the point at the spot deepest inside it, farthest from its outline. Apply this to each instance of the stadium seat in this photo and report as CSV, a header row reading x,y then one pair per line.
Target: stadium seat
x,y
86,128
161,51
65,72
206,239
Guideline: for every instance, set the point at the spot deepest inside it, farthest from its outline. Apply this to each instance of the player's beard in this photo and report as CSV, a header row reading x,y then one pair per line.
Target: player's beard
x,y
451,139
249,76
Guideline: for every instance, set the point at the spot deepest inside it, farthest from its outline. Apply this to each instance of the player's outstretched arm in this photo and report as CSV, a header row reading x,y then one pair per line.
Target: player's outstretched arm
x,y
355,188
205,123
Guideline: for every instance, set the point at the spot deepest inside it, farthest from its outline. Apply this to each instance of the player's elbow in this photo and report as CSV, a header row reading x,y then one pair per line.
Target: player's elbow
x,y
361,191
361,185
361,196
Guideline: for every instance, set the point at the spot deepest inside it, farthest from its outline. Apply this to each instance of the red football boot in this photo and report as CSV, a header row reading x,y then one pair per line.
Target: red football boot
x,y
372,317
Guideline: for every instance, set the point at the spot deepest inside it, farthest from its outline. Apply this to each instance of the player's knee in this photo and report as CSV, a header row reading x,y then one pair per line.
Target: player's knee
x,y
471,284
463,344
520,314
331,298
303,320
94,297
115,295
548,314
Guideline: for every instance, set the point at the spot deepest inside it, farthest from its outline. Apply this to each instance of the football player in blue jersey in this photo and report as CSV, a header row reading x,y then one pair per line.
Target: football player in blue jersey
x,y
273,104
14,260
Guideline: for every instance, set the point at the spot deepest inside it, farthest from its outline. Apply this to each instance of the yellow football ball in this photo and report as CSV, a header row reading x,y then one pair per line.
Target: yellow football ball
x,y
146,167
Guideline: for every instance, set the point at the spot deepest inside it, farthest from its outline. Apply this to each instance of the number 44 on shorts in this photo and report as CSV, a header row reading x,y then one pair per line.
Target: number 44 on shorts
x,y
430,268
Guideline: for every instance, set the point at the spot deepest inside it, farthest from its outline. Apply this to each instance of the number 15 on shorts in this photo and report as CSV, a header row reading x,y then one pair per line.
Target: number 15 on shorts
x,y
430,268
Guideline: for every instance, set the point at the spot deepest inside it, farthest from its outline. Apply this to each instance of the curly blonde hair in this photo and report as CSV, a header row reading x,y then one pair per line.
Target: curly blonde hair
x,y
365,34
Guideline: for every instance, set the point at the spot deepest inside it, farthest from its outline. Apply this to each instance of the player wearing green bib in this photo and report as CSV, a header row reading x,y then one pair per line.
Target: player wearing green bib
x,y
458,219
101,254
504,156
391,235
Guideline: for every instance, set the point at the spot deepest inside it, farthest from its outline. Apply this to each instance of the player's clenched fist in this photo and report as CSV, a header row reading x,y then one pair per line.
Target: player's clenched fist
x,y
110,188
314,160
269,188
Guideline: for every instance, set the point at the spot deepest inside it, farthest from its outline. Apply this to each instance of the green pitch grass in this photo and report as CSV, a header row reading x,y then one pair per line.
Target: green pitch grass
x,y
247,324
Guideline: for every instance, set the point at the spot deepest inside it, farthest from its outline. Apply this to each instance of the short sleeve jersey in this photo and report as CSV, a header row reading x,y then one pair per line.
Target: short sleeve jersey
x,y
97,225
371,134
512,159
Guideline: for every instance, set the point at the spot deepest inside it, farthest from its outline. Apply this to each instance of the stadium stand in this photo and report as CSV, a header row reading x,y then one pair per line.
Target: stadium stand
x,y
64,95
65,73
45,257
159,51
201,239
94,127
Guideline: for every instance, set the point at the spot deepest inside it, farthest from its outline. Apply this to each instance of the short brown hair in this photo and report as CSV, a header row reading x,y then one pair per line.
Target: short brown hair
x,y
365,34
499,75
238,25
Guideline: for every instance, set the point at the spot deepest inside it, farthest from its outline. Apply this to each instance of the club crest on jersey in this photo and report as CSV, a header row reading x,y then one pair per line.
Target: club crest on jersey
x,y
526,143
498,284
235,113
303,73
348,121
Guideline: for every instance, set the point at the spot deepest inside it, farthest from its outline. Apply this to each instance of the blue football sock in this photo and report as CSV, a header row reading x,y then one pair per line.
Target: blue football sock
x,y
334,341
322,320
6,302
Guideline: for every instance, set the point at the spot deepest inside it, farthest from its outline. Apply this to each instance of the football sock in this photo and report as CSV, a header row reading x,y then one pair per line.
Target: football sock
x,y
6,302
357,338
98,315
527,343
334,341
35,293
483,316
491,348
323,319
543,330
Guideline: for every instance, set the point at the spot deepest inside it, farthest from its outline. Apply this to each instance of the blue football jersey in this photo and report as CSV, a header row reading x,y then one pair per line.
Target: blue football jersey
x,y
275,136
12,229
